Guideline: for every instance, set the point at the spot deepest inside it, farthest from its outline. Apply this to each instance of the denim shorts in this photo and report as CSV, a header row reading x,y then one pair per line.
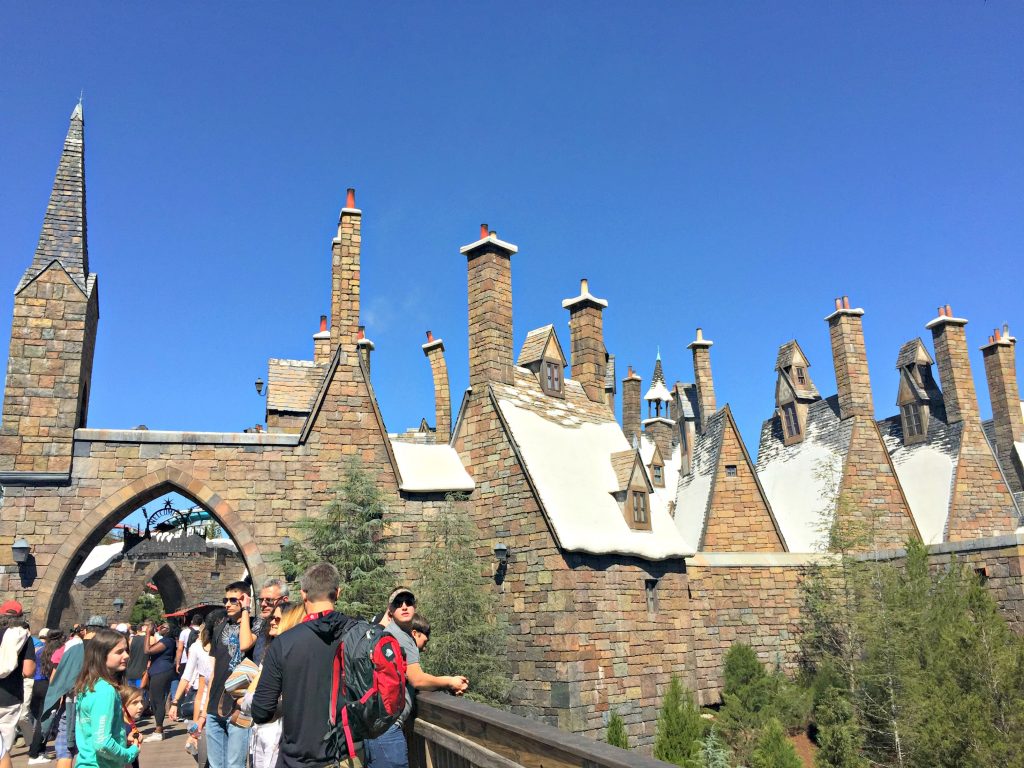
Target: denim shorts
x,y
60,743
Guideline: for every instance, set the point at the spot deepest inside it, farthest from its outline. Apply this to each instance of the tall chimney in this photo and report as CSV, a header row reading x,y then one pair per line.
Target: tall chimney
x,y
1001,372
950,341
345,274
489,275
364,346
434,350
849,357
631,405
322,343
586,334
701,349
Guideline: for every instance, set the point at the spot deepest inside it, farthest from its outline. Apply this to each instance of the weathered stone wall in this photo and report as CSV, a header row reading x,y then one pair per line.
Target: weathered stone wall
x,y
183,580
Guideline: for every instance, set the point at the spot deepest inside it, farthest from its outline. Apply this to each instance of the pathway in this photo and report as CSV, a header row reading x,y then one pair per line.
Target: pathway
x,y
169,753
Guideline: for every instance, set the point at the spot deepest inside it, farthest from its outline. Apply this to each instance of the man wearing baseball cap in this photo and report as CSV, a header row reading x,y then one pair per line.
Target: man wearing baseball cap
x,y
18,661
390,750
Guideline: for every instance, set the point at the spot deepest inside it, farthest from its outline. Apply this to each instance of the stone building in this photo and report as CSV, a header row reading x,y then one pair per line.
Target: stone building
x,y
637,550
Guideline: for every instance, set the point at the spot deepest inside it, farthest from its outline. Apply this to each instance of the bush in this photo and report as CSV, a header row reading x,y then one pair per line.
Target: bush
x,y
616,735
773,750
680,728
713,752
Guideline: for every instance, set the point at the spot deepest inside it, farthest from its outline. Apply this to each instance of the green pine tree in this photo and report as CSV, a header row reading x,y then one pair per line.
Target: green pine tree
x,y
348,533
147,608
839,737
467,637
773,749
713,752
616,734
680,728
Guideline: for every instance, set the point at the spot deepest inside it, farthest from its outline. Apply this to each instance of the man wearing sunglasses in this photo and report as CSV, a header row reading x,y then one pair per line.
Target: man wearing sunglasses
x,y
390,750
227,743
273,594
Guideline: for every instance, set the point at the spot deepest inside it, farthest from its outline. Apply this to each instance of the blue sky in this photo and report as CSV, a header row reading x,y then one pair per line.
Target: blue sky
x,y
727,165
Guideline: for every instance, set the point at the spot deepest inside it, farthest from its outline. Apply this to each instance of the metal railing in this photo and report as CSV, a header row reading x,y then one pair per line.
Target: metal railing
x,y
451,732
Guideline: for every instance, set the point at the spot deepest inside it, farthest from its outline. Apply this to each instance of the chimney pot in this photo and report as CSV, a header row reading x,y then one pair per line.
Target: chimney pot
x,y
361,332
995,334
323,323
493,234
839,303
949,311
483,231
700,334
942,312
430,335
350,198
991,339
846,302
1006,329
583,286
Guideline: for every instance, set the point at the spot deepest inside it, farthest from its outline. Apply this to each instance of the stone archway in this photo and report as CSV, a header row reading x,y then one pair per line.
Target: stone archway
x,y
170,584
62,568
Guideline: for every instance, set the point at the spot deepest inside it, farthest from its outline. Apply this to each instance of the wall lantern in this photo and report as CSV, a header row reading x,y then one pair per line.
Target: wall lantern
x,y
118,604
259,385
501,552
20,550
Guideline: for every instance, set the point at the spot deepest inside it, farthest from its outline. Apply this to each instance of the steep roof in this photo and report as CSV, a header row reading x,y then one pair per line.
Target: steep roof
x,y
687,393
292,385
802,480
663,498
623,463
536,343
788,355
566,447
911,352
693,492
63,235
610,384
658,390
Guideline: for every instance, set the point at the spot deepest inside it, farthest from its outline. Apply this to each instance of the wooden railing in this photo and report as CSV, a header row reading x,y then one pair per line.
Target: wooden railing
x,y
451,732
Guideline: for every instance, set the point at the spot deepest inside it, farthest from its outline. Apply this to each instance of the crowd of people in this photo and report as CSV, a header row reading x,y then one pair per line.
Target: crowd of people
x,y
252,682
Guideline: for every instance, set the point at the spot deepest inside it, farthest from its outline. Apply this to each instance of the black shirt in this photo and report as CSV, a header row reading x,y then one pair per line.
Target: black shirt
x,y
12,687
137,658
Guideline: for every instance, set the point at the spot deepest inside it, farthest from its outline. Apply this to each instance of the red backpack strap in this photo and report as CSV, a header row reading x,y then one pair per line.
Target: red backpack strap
x,y
337,681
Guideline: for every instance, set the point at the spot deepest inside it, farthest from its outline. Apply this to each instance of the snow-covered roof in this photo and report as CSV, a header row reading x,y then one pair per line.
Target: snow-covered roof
x,y
566,446
925,471
802,480
687,394
658,391
430,468
98,559
664,498
693,490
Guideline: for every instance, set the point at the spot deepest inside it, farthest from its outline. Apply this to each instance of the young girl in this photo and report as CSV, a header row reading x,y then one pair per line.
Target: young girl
x,y
99,721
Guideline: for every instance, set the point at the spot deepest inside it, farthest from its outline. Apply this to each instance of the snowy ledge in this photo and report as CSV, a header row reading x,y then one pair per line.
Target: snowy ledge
x,y
168,436
759,559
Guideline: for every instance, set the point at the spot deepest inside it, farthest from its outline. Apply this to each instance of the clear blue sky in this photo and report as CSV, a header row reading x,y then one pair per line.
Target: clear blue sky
x,y
734,166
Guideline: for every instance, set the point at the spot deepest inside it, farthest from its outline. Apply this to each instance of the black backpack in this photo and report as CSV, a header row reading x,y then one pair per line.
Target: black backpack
x,y
367,687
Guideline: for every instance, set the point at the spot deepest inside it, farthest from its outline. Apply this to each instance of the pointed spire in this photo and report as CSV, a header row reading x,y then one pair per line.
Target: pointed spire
x,y
658,390
63,235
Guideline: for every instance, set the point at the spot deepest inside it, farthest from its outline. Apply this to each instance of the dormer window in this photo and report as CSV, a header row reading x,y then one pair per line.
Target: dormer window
x,y
792,422
639,507
552,381
912,426
800,377
658,475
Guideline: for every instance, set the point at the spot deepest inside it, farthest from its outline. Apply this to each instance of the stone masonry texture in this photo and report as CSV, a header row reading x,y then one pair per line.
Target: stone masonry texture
x,y
851,363
1007,418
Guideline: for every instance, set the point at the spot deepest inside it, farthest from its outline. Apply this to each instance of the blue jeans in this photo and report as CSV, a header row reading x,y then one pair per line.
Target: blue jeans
x,y
389,750
227,745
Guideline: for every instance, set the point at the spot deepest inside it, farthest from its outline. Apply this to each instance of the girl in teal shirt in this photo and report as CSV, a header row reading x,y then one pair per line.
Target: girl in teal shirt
x,y
99,724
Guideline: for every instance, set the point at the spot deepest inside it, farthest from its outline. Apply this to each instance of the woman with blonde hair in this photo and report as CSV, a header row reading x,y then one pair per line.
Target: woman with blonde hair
x,y
265,739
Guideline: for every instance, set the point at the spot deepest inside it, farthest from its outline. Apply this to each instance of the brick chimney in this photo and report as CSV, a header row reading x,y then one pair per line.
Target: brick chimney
x,y
364,346
586,335
489,272
322,343
434,350
1001,372
701,349
631,405
345,274
950,342
849,357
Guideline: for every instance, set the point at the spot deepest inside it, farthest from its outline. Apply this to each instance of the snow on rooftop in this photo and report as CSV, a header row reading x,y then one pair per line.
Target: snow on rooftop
x,y
802,480
658,391
98,559
663,497
569,463
427,468
926,475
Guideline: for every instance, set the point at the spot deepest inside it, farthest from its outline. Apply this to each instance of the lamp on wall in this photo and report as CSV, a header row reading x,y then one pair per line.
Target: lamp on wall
x,y
118,605
259,386
20,550
501,553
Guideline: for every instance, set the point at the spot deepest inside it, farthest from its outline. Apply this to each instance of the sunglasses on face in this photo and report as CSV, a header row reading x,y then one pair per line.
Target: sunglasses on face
x,y
270,600
232,600
275,619
402,601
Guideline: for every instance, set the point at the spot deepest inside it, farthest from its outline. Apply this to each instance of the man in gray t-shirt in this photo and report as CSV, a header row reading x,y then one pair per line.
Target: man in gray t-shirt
x,y
413,632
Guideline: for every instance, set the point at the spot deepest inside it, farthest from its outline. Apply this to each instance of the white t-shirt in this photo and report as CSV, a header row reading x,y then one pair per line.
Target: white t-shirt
x,y
183,639
199,664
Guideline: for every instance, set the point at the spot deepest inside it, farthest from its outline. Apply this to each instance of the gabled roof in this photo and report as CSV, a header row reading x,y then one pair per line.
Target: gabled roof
x,y
536,344
63,237
430,468
292,385
565,446
693,493
623,463
790,354
687,394
913,352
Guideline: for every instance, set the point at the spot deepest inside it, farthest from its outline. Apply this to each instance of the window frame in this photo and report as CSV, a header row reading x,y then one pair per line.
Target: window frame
x,y
640,507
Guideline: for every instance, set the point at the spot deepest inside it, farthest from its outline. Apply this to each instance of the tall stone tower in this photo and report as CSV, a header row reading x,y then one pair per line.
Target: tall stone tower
x,y
53,333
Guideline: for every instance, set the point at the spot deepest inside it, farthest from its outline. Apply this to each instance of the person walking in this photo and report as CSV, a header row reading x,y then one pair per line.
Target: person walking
x,y
99,722
17,664
232,641
161,650
45,667
390,749
297,670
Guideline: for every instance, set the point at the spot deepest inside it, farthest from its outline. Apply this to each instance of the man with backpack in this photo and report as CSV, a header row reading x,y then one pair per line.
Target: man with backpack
x,y
390,750
297,669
